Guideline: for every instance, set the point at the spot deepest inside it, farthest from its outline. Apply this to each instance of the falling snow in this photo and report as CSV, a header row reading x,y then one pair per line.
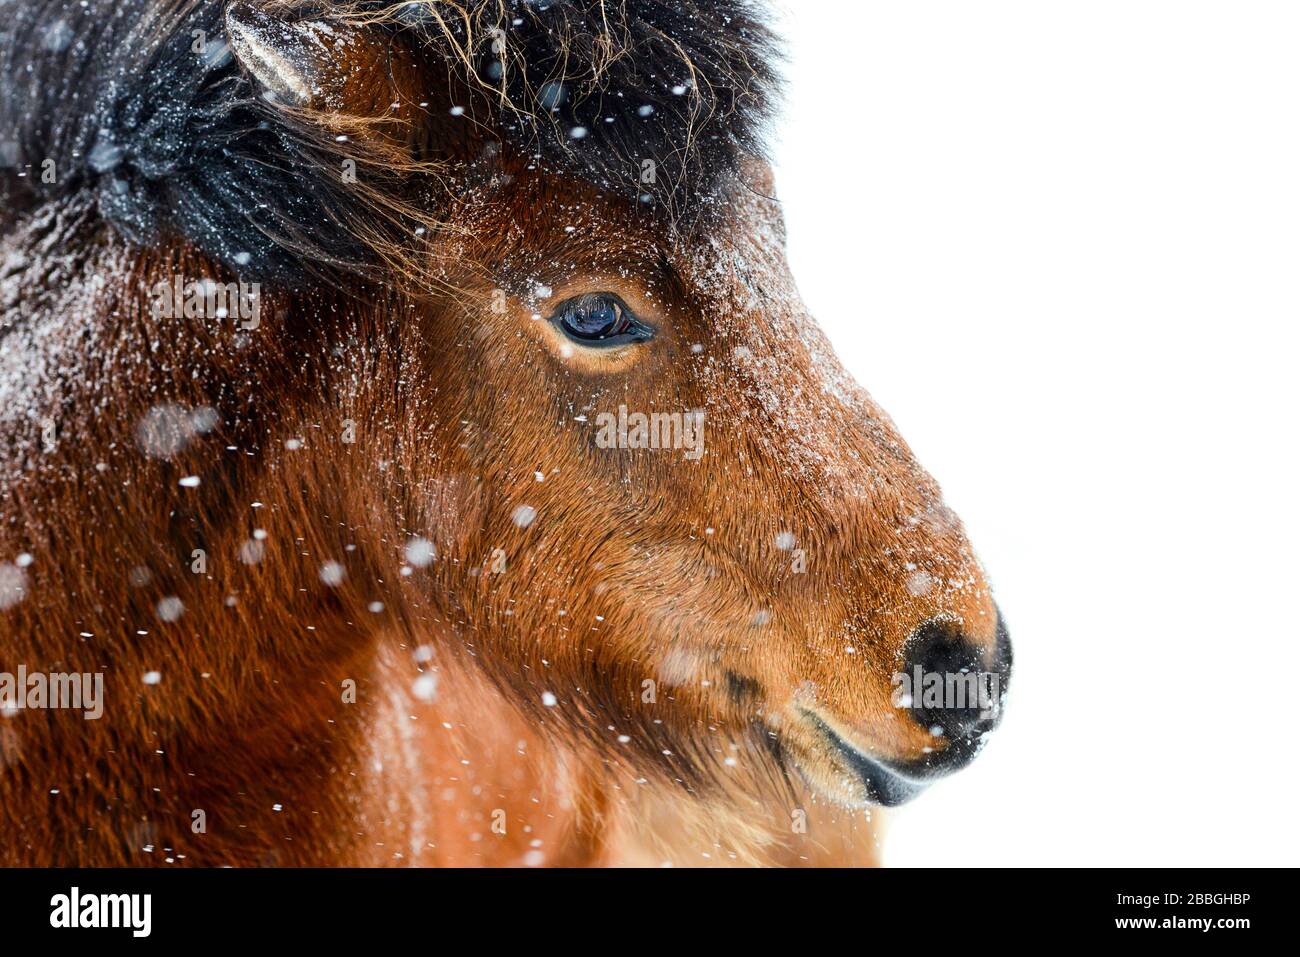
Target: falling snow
x,y
332,574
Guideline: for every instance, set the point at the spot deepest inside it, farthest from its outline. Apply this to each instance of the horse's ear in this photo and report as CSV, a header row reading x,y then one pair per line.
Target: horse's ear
x,y
291,62
326,153
326,67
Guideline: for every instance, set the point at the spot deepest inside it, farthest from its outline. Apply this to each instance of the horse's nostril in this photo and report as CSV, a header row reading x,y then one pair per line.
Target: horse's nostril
x,y
955,685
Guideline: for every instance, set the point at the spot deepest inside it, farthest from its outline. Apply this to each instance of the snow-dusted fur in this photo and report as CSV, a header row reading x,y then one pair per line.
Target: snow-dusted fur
x,y
364,585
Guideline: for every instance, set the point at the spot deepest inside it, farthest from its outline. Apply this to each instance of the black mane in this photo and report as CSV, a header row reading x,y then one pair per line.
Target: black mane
x,y
176,141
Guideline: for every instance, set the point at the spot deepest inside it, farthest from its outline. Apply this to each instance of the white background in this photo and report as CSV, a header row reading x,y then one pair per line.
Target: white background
x,y
1060,243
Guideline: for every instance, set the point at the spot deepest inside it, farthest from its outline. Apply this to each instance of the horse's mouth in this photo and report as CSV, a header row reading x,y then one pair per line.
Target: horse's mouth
x,y
853,770
831,763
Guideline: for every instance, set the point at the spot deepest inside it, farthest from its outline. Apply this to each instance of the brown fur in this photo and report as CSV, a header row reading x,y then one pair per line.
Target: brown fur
x,y
640,565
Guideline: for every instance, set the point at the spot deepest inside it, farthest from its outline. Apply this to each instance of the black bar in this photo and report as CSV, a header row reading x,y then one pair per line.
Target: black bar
x,y
550,909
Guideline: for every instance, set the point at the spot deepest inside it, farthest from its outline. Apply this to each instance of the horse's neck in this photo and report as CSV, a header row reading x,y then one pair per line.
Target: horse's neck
x,y
453,775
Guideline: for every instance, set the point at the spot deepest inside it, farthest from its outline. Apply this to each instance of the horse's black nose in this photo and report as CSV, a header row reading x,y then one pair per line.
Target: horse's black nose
x,y
956,689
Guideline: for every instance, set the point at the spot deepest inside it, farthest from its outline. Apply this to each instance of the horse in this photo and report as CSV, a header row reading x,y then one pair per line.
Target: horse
x,y
411,421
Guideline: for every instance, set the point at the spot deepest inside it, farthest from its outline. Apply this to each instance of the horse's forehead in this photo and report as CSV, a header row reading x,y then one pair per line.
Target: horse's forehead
x,y
770,351
738,258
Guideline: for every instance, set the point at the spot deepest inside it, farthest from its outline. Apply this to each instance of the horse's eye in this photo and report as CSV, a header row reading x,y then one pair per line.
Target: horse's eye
x,y
600,319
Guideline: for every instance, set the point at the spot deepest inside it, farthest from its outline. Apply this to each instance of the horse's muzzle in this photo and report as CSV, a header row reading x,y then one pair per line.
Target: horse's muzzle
x,y
956,691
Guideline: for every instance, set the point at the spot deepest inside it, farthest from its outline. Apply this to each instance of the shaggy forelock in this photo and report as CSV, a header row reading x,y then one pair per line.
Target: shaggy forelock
x,y
601,86
655,101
